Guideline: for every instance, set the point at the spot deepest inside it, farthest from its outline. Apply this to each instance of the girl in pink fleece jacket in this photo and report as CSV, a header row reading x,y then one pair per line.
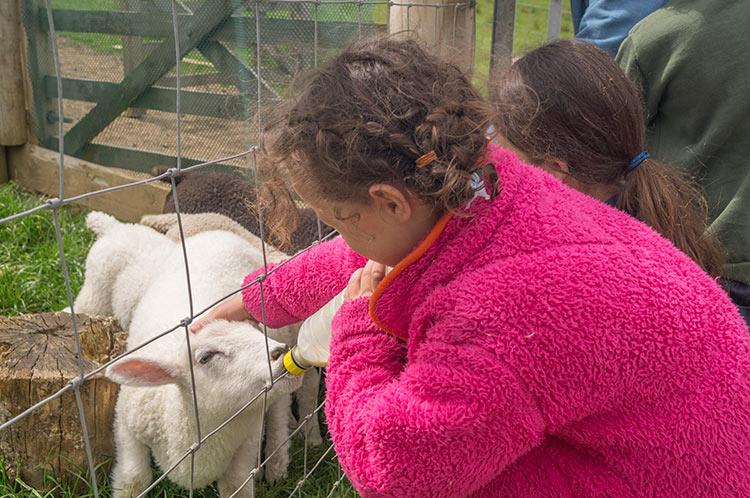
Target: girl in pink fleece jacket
x,y
530,341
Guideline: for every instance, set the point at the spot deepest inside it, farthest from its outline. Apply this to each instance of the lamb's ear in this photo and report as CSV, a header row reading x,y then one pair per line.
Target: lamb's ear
x,y
143,372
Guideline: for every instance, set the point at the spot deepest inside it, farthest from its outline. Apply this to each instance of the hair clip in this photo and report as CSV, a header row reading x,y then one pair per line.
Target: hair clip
x,y
426,159
477,184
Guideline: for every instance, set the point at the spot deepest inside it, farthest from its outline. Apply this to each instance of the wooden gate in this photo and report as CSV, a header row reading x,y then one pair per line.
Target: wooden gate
x,y
229,41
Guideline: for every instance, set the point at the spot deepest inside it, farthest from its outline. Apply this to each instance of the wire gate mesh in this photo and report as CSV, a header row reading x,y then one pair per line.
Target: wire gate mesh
x,y
237,59
182,83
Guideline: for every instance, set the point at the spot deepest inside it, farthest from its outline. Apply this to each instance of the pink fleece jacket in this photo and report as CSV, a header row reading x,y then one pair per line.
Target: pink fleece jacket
x,y
550,346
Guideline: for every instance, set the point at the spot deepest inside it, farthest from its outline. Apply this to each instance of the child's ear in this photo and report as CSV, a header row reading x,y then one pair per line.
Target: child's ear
x,y
557,167
392,202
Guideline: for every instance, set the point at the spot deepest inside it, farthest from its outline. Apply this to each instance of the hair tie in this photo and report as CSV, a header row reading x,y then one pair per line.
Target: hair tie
x,y
426,159
638,159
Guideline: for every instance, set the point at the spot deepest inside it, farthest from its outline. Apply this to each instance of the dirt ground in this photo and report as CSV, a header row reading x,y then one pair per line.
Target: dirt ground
x,y
204,138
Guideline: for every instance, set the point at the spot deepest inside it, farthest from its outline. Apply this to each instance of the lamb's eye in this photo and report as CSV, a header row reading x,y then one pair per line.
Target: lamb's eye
x,y
206,357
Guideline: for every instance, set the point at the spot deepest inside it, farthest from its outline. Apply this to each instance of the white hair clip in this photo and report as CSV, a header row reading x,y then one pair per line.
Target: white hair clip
x,y
479,189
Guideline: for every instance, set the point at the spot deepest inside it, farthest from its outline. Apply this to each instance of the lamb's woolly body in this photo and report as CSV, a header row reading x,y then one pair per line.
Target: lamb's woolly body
x,y
114,279
193,224
160,416
214,258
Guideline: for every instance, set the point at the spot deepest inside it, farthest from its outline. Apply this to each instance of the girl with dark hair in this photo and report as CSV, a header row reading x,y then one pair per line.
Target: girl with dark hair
x,y
529,340
568,108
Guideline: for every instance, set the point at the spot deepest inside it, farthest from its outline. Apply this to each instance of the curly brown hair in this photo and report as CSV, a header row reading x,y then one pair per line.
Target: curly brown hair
x,y
368,115
570,101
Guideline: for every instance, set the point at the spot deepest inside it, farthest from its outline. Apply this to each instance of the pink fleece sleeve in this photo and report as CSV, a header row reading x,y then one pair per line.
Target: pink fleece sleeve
x,y
298,287
442,425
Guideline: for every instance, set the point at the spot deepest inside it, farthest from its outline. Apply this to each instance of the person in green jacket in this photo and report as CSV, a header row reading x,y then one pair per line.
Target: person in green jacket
x,y
692,61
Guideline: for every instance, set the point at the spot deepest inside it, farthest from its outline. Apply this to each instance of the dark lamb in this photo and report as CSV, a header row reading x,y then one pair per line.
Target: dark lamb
x,y
235,198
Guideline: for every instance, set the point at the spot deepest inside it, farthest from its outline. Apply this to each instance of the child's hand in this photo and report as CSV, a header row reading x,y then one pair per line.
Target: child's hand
x,y
364,281
233,310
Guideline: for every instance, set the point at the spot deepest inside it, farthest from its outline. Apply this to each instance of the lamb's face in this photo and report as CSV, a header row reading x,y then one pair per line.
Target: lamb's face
x,y
230,367
230,361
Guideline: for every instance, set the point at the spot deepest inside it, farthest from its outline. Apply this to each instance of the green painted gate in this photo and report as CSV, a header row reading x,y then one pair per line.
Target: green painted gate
x,y
118,66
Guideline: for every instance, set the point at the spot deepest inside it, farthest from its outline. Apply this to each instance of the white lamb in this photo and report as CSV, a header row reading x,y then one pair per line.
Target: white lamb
x,y
155,408
119,267
307,395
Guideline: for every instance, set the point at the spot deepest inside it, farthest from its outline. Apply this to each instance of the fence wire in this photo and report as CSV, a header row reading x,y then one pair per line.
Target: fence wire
x,y
237,59
199,109
248,61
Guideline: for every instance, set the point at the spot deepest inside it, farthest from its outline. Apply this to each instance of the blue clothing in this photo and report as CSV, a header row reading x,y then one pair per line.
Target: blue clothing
x,y
740,294
605,23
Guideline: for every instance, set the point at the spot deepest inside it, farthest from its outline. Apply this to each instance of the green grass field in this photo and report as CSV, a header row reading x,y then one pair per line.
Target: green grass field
x,y
318,484
31,279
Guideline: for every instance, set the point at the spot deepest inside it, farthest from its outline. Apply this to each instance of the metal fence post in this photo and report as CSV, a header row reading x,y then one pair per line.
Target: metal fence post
x,y
554,20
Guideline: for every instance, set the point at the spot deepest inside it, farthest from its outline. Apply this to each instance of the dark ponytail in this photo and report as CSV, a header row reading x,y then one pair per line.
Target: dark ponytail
x,y
570,101
663,199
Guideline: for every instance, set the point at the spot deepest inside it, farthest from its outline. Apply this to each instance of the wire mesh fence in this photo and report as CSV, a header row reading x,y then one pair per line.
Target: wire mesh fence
x,y
184,84
237,59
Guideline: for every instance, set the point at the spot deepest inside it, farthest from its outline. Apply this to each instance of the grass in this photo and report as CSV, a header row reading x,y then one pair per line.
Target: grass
x,y
77,485
31,281
31,278
68,486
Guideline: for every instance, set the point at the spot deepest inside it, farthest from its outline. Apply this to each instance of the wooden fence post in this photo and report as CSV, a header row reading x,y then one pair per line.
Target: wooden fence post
x,y
36,169
12,105
503,23
449,27
40,63
132,53
3,166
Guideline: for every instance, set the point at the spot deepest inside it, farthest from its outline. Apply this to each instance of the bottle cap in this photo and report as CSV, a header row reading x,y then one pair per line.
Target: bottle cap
x,y
291,366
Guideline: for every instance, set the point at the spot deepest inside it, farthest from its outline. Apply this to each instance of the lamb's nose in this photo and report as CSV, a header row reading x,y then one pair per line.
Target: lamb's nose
x,y
277,353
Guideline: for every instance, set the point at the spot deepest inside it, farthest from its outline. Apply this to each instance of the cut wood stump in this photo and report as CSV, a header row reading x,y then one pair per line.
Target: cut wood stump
x,y
38,357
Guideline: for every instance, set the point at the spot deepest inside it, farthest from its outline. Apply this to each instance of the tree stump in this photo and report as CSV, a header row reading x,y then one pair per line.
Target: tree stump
x,y
38,357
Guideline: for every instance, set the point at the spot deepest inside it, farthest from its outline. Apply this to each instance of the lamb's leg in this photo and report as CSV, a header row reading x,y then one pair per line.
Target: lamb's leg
x,y
243,462
307,401
277,438
92,300
132,470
